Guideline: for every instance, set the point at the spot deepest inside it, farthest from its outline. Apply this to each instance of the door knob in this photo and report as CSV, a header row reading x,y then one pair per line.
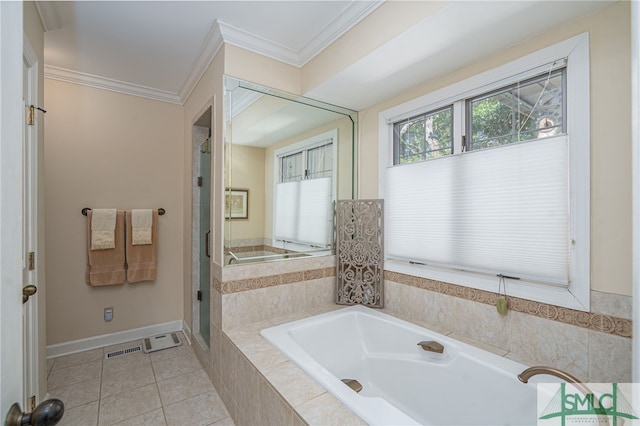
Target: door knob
x,y
47,413
28,291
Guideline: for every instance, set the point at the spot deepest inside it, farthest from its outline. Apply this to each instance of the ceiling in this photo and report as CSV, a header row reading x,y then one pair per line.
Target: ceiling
x,y
159,49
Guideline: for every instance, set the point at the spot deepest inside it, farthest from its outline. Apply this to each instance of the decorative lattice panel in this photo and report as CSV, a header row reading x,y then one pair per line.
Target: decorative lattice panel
x,y
360,252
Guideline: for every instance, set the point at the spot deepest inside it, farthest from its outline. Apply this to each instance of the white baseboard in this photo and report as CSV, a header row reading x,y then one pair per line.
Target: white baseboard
x,y
95,342
186,331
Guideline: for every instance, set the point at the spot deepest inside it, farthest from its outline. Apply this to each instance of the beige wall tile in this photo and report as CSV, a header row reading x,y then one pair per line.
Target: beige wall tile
x,y
550,342
609,358
319,292
616,305
481,322
229,368
328,411
292,383
273,410
247,393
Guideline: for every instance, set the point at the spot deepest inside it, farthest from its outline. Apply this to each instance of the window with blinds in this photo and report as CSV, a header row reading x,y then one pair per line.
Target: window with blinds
x,y
304,192
494,179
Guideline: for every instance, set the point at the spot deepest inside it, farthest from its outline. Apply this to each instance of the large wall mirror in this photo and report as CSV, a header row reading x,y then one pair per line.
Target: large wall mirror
x,y
287,159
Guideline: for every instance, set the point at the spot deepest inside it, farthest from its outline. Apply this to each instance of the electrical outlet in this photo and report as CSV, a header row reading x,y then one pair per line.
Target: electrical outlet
x,y
108,314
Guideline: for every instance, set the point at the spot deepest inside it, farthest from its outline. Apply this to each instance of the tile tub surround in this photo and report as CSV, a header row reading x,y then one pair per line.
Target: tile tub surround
x,y
538,335
262,386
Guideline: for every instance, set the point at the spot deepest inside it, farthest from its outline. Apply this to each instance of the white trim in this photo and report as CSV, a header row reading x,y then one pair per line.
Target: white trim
x,y
30,216
11,250
635,158
95,342
347,19
578,114
254,43
70,76
49,15
186,331
344,21
209,49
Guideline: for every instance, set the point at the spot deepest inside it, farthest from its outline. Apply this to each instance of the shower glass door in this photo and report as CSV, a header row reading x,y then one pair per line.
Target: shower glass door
x,y
205,243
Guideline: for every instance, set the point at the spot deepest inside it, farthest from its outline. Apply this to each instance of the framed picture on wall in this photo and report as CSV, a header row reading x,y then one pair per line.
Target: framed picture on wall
x,y
236,203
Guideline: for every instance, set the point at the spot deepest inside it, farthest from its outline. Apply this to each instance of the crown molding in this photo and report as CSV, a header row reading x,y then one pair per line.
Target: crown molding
x,y
49,15
70,76
208,50
349,18
254,43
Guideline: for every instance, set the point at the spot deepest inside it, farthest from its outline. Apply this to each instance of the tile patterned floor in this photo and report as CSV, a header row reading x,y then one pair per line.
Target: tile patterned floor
x,y
167,387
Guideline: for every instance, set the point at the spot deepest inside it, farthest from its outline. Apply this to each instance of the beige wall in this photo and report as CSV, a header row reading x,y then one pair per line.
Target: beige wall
x,y
105,149
610,136
35,35
249,66
247,172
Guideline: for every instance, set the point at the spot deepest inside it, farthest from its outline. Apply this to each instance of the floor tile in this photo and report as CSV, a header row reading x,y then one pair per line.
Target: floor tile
x,y
185,386
84,415
152,418
79,358
78,394
125,362
226,422
166,354
75,374
200,410
176,366
126,405
133,378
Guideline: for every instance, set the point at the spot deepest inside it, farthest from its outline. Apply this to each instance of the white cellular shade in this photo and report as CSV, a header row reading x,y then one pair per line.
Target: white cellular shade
x,y
303,212
502,210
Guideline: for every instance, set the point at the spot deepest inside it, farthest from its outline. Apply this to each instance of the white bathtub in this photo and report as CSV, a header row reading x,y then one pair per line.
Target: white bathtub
x,y
403,384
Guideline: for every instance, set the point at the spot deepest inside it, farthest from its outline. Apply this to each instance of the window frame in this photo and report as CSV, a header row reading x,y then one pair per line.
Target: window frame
x,y
575,51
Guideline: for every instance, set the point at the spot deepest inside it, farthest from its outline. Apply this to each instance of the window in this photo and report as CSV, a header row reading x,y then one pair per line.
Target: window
x,y
303,195
491,175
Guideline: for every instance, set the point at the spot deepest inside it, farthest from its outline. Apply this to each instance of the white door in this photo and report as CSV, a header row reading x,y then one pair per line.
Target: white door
x,y
29,233
11,175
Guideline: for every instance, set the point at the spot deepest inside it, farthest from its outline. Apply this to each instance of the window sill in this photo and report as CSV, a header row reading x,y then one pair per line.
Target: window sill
x,y
558,296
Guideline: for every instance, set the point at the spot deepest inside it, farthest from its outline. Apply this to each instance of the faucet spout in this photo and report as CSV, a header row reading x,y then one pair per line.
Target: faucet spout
x,y
533,371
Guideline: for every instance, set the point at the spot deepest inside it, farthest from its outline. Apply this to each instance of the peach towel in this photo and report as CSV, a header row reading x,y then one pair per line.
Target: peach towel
x,y
106,266
142,260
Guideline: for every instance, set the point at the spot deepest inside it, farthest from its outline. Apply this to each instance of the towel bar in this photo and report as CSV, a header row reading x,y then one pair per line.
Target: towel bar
x,y
161,211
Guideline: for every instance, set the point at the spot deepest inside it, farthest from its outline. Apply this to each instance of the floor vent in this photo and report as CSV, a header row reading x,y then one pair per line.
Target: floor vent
x,y
121,352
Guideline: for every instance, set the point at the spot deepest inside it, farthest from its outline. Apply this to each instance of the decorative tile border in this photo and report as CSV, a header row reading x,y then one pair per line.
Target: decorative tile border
x,y
589,320
236,286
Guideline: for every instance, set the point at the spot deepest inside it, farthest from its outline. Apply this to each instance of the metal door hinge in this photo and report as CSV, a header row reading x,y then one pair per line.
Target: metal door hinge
x,y
32,403
199,180
199,295
32,260
31,115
